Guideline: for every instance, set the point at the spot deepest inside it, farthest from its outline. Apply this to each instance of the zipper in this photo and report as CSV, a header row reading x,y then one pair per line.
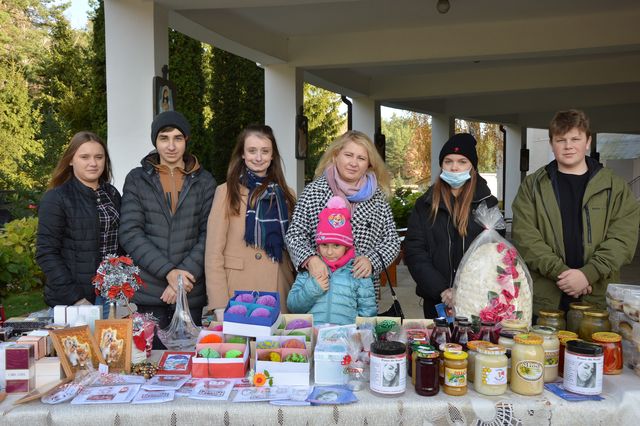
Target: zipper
x,y
451,272
588,216
329,297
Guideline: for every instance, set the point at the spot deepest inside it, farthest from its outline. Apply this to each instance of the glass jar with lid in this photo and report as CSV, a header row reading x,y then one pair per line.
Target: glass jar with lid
x,y
564,336
463,334
472,351
551,346
411,360
552,318
593,321
446,347
487,332
441,334
455,373
490,375
527,360
506,341
575,314
515,324
426,371
612,346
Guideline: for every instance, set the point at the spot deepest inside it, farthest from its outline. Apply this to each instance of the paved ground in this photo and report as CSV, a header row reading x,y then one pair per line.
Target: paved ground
x,y
411,303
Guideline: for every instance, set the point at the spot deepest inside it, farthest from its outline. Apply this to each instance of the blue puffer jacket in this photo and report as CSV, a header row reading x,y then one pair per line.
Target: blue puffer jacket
x,y
346,298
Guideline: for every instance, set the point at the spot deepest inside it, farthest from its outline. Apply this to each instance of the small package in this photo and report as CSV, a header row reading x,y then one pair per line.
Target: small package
x,y
220,360
252,314
19,368
285,358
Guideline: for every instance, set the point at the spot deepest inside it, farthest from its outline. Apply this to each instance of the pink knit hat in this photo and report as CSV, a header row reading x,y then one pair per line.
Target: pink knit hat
x,y
334,224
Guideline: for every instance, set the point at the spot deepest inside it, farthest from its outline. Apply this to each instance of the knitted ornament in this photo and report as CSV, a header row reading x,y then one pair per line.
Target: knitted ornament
x,y
266,300
298,323
237,310
260,313
293,344
208,353
211,338
334,223
295,358
244,298
233,353
275,357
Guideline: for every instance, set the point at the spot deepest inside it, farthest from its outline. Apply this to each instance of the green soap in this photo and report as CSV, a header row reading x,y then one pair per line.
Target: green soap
x,y
236,339
267,344
295,358
233,353
209,353
297,333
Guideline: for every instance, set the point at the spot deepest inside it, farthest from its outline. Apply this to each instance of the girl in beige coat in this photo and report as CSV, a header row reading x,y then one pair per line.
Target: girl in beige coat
x,y
250,214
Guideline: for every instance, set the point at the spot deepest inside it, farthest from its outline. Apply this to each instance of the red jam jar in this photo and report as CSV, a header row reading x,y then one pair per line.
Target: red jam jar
x,y
426,374
564,336
612,346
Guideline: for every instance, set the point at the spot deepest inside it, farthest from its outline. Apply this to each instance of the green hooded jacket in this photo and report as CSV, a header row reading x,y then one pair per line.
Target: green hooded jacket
x,y
610,217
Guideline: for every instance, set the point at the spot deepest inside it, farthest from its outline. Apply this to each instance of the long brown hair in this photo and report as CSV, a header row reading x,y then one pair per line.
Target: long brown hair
x,y
237,168
461,209
64,171
376,163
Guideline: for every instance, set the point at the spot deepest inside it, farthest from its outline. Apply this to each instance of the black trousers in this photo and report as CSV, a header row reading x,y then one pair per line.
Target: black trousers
x,y
164,314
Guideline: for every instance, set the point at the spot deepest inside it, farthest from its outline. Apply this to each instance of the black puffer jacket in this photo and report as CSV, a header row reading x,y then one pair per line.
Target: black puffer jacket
x,y
159,241
433,250
67,247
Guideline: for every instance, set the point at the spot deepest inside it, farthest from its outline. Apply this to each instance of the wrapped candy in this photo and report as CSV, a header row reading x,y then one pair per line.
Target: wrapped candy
x,y
492,282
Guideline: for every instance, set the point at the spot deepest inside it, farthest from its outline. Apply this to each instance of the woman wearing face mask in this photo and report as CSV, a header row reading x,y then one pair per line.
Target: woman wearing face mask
x,y
245,247
441,226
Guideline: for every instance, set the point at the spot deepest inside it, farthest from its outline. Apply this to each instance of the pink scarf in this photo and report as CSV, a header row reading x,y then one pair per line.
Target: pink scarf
x,y
336,264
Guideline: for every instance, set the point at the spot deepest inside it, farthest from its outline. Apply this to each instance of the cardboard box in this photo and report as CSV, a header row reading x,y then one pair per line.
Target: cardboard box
x,y
328,368
19,368
221,368
47,338
48,371
284,373
39,345
244,325
307,332
3,346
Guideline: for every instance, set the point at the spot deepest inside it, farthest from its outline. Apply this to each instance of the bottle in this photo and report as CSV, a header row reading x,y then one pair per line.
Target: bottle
x,y
426,372
463,334
441,334
488,332
456,323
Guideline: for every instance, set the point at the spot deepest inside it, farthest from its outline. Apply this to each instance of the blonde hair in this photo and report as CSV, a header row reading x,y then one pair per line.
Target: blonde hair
x,y
376,164
461,209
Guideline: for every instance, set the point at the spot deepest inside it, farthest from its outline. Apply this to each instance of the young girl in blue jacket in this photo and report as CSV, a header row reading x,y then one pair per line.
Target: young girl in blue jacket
x,y
340,297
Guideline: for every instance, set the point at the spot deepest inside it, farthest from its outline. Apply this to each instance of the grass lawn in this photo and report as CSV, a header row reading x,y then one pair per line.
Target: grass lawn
x,y
24,303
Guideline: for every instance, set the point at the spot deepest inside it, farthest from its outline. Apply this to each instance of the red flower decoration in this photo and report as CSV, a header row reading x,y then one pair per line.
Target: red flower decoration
x,y
346,360
113,291
126,260
113,261
127,290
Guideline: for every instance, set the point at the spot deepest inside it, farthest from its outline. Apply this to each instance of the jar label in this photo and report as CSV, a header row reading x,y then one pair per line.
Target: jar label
x,y
583,373
551,358
529,370
388,374
494,376
455,377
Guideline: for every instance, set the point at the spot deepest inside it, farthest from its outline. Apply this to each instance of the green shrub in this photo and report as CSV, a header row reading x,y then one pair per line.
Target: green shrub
x,y
402,203
18,268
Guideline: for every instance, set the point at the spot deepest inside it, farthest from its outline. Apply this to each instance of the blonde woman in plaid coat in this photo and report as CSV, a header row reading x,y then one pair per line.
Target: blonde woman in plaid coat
x,y
350,168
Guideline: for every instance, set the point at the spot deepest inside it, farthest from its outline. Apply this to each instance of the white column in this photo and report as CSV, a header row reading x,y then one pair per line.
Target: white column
x,y
136,41
364,115
282,99
442,128
515,135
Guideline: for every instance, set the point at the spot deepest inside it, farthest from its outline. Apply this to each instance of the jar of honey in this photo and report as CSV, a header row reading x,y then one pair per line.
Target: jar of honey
x,y
455,373
552,318
612,346
593,321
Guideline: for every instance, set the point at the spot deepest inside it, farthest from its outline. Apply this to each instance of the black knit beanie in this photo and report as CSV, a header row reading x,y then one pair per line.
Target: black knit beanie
x,y
169,119
462,144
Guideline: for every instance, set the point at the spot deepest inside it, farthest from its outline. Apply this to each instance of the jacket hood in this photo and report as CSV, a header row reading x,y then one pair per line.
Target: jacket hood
x,y
152,160
593,167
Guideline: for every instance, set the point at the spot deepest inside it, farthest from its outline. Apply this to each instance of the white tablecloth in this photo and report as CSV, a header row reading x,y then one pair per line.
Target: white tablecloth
x,y
621,406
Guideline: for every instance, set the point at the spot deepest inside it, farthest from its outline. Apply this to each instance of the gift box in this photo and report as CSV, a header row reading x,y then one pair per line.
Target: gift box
x,y
175,362
39,344
328,365
221,368
283,373
19,366
289,320
48,371
77,315
3,345
245,325
48,350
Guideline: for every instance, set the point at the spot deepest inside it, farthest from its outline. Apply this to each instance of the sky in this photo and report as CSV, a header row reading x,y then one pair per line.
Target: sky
x,y
77,12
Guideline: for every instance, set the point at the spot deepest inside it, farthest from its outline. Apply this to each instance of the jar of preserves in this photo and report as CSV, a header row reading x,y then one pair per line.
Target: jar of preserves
x,y
593,321
445,347
441,334
564,336
490,375
552,318
411,363
612,346
455,373
507,342
458,319
551,346
426,372
583,367
463,334
527,360
515,324
575,314
472,351
411,344
488,332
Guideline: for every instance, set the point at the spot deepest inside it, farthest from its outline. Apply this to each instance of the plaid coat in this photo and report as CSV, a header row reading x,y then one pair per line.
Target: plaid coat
x,y
374,230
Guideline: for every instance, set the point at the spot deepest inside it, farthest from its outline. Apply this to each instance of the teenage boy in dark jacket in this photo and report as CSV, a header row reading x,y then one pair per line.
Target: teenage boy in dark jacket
x,y
575,223
163,220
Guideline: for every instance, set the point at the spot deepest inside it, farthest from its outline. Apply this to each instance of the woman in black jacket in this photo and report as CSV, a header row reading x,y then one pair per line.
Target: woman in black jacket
x,y
78,221
441,226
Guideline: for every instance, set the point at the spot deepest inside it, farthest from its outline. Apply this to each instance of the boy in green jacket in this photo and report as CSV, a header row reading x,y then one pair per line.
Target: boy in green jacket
x,y
575,223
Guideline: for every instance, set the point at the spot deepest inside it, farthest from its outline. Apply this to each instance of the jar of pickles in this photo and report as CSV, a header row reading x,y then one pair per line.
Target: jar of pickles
x,y
612,346
490,375
575,314
527,360
564,336
455,373
426,373
593,321
551,346
552,318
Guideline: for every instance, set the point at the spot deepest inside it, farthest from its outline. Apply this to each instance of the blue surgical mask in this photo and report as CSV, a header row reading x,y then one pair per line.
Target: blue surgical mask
x,y
455,180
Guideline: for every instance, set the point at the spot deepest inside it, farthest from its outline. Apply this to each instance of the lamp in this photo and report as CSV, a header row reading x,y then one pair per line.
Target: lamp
x,y
443,6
